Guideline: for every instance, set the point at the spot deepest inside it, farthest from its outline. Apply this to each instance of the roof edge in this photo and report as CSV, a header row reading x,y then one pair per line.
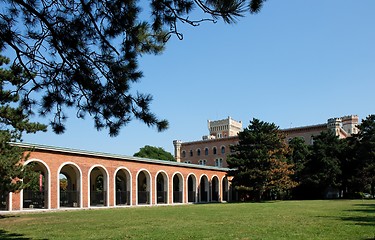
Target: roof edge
x,y
114,156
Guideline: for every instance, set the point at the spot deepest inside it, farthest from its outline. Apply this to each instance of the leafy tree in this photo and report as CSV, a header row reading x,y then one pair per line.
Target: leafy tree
x,y
323,168
84,54
154,153
280,178
260,161
63,184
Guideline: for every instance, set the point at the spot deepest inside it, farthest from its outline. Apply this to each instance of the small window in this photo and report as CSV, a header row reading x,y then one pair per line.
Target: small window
x,y
203,162
214,150
191,153
206,151
198,152
183,154
222,150
188,161
218,162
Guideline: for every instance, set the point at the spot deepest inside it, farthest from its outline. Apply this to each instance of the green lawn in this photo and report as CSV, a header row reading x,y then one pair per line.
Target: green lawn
x,y
339,219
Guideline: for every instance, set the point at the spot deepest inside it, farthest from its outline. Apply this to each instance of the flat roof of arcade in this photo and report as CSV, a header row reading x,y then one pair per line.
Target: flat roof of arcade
x,y
114,156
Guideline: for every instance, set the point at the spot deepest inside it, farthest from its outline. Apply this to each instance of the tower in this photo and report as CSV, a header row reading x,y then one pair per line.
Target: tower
x,y
349,124
177,150
334,124
224,128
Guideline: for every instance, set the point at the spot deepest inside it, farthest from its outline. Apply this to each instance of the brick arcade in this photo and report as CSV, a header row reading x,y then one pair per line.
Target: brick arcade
x,y
93,179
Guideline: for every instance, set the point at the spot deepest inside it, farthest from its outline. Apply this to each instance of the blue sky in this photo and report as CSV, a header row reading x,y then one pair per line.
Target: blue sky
x,y
295,63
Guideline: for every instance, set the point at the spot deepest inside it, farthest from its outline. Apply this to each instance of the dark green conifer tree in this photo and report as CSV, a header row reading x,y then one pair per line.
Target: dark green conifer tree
x,y
365,156
259,160
298,156
322,172
13,122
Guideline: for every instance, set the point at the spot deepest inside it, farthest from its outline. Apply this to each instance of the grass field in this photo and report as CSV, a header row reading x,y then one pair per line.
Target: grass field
x,y
339,219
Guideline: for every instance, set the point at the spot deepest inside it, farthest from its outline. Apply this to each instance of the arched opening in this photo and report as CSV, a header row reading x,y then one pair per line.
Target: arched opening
x,y
215,189
192,186
35,195
143,182
69,185
161,188
122,186
98,187
203,189
177,188
225,189
4,201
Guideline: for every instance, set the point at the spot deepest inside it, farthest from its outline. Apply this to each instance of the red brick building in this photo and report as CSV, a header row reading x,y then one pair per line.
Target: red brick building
x,y
213,149
72,178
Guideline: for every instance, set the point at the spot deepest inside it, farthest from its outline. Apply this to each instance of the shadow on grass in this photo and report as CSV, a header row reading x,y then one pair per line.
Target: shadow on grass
x,y
7,216
14,236
367,220
364,207
370,238
364,221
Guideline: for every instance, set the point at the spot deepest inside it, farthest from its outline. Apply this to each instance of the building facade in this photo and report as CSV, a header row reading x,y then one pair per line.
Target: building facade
x,y
70,178
213,149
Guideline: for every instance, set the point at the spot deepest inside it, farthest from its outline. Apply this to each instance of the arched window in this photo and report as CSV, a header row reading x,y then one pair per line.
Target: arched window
x,y
198,152
222,149
206,151
214,150
183,154
191,153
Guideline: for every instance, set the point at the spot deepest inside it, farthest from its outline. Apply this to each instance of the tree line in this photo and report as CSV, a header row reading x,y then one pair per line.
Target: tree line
x,y
267,166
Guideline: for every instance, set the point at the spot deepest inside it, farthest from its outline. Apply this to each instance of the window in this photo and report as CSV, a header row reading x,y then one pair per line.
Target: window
x,y
206,151
198,152
218,162
222,150
188,161
191,153
183,154
214,150
203,162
